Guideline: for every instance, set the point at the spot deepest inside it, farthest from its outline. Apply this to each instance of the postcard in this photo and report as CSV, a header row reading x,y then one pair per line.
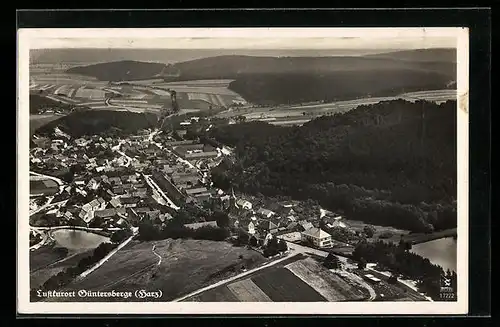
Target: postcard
x,y
243,171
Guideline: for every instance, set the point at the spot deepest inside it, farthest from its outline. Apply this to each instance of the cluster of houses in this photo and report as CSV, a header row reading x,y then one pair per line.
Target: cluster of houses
x,y
283,222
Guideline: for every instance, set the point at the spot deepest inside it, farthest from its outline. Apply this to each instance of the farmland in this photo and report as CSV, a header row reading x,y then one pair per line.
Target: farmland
x,y
151,95
299,114
186,265
329,285
296,279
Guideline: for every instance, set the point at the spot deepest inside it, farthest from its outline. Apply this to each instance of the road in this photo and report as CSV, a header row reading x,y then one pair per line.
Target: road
x,y
106,258
155,186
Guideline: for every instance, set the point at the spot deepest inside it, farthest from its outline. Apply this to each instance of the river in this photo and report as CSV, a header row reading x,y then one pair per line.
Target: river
x,y
77,239
442,252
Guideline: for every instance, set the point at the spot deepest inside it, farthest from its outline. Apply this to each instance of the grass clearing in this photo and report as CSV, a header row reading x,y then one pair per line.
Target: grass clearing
x,y
186,266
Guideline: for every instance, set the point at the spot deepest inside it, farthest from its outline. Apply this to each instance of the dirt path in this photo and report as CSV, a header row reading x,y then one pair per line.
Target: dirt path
x,y
159,256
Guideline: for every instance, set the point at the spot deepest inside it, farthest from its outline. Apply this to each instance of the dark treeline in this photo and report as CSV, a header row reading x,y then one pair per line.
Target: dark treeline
x,y
150,232
333,86
399,260
66,276
83,123
392,163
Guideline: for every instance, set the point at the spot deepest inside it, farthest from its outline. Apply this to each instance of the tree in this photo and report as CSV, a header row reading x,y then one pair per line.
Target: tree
x,y
332,261
369,231
221,218
393,279
362,263
282,246
119,236
253,241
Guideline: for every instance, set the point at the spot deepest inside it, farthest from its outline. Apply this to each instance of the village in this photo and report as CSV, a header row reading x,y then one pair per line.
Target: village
x,y
109,182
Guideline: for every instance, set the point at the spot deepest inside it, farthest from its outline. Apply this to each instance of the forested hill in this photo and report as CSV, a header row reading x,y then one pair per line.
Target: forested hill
x,y
93,122
233,66
342,85
120,70
393,163
420,55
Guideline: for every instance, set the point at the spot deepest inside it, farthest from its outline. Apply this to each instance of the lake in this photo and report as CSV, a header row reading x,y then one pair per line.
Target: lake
x,y
442,252
77,239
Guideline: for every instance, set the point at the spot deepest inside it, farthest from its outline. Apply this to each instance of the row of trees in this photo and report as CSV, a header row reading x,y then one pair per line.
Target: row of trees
x,y
399,260
393,163
150,232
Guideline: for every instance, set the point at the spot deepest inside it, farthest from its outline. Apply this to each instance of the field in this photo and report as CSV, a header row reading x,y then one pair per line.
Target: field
x,y
328,284
298,114
186,265
296,279
154,94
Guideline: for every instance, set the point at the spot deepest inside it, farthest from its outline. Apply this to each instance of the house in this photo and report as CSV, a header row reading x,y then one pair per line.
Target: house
x,y
317,237
305,225
129,202
244,204
115,181
202,224
371,279
265,213
106,213
251,228
268,227
115,202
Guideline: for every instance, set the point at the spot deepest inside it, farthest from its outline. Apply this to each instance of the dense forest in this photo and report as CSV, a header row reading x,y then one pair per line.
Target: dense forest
x,y
292,88
120,70
40,103
78,124
391,163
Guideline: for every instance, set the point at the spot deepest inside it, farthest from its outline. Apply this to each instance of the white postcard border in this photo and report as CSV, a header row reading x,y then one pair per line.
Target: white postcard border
x,y
30,38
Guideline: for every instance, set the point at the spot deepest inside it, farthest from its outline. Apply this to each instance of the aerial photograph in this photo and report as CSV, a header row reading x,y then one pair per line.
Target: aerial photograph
x,y
281,171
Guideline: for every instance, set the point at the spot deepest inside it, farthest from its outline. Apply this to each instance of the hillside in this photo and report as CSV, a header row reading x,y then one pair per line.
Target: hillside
x,y
341,85
379,163
40,104
120,70
77,124
420,55
231,67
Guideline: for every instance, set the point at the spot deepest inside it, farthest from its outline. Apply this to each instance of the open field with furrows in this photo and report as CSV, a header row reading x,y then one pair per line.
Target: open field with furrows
x,y
281,285
331,286
186,265
318,109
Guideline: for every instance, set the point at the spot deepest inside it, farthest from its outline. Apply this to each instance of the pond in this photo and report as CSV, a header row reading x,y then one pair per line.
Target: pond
x,y
77,239
442,252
